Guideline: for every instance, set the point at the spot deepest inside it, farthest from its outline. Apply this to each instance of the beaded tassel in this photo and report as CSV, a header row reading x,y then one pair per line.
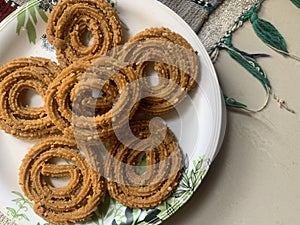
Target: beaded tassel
x,y
270,36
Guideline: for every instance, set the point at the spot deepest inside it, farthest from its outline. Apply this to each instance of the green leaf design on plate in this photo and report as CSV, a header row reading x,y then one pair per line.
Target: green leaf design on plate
x,y
152,216
43,224
12,212
103,207
142,166
268,33
27,18
20,21
104,210
95,218
22,207
23,204
112,2
21,199
111,212
18,194
31,31
16,214
296,3
191,178
33,14
129,215
42,14
24,217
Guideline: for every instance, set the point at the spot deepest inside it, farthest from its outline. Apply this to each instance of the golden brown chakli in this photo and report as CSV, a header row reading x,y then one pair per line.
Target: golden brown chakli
x,y
92,98
60,95
15,77
58,157
175,61
74,108
162,169
72,20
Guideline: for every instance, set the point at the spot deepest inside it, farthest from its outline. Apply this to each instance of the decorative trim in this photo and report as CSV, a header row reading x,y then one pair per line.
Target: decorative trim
x,y
270,36
12,3
220,21
205,4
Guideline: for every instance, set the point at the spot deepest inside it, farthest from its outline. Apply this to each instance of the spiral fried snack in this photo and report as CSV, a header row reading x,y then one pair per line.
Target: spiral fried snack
x,y
71,20
130,186
71,104
60,95
115,75
60,205
175,61
16,77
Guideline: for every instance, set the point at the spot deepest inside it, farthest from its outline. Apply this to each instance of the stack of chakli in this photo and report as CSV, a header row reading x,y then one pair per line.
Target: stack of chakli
x,y
97,141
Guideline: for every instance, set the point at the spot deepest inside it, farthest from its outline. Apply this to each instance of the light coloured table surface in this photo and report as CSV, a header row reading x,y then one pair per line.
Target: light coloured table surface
x,y
255,179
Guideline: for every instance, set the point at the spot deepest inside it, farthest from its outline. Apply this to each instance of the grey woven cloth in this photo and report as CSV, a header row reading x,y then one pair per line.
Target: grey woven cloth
x,y
194,12
207,18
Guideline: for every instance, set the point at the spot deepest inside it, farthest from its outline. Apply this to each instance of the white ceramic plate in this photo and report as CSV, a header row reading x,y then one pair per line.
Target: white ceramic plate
x,y
198,124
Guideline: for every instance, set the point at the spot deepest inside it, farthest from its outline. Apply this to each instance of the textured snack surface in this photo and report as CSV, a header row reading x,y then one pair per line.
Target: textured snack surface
x,y
173,59
72,22
91,100
149,188
16,77
73,108
55,158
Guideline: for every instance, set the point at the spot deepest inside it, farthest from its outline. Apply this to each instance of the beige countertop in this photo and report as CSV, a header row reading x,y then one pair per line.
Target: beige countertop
x,y
255,179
